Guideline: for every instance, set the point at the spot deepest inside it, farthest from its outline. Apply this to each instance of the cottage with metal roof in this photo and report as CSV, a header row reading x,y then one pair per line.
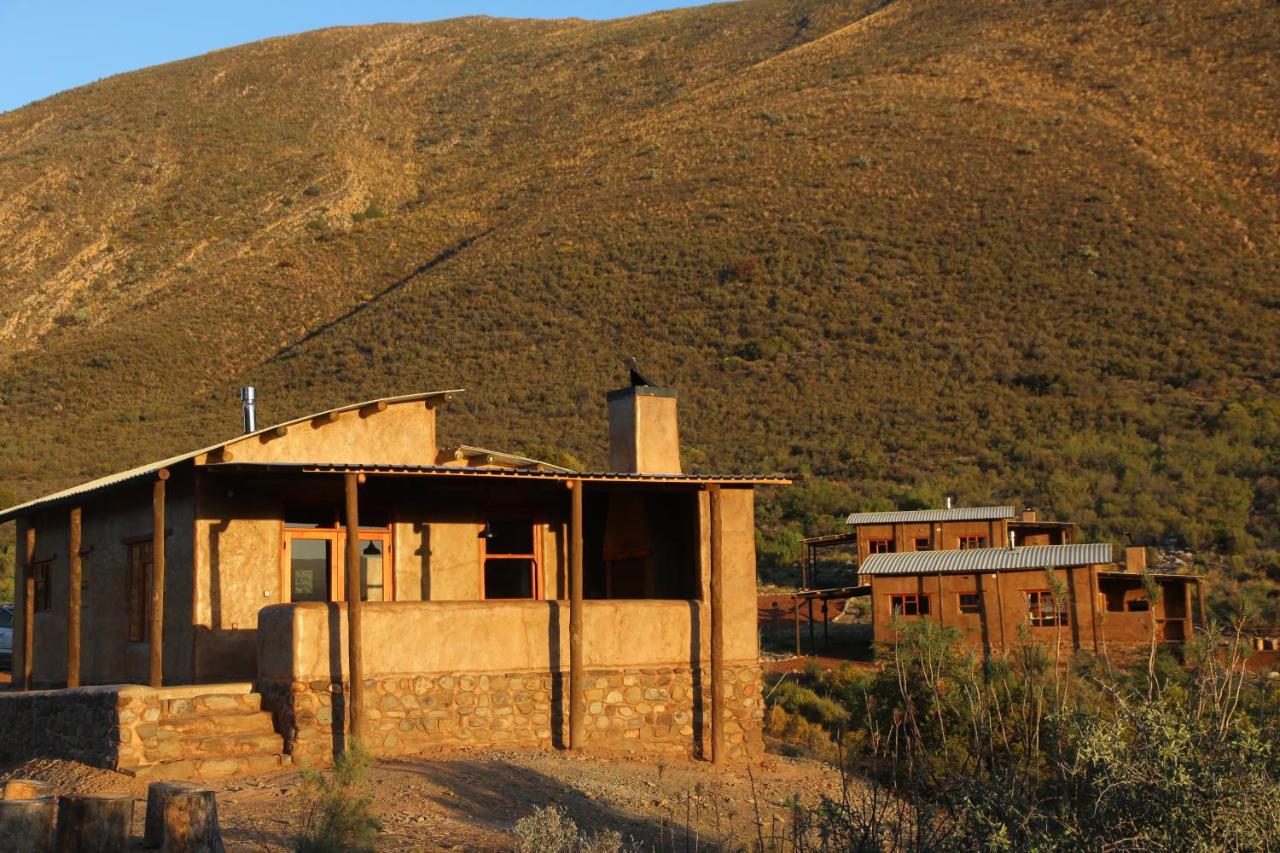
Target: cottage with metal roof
x,y
350,574
1075,594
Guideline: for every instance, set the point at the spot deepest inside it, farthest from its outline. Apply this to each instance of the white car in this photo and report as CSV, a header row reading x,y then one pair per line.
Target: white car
x,y
6,636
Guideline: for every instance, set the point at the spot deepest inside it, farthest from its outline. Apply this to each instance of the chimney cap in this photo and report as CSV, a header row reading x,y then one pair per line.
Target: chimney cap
x,y
640,391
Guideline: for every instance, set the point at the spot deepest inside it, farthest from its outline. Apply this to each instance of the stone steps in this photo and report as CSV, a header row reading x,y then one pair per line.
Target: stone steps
x,y
183,733
213,768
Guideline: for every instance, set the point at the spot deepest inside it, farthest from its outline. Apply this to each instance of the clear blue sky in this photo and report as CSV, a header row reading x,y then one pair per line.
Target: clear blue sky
x,y
47,46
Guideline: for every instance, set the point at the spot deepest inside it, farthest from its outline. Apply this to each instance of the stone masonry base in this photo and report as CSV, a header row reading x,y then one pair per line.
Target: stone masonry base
x,y
652,710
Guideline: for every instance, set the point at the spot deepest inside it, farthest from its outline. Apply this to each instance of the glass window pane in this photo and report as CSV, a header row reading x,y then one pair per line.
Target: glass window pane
x,y
510,537
371,564
309,569
507,578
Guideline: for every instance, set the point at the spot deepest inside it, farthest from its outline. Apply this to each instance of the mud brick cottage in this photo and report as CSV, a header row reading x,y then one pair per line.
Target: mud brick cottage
x,y
343,573
985,572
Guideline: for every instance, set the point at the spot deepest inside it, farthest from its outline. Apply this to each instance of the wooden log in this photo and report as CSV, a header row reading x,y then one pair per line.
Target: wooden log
x,y
27,825
157,579
355,659
28,606
74,564
94,823
717,628
27,789
158,795
373,408
191,823
577,700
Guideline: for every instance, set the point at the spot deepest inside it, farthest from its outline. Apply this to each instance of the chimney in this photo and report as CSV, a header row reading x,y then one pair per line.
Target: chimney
x,y
1028,514
1013,539
248,399
644,436
948,501
1135,559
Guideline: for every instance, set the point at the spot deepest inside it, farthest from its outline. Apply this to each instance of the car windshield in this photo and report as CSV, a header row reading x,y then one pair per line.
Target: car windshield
x,y
6,618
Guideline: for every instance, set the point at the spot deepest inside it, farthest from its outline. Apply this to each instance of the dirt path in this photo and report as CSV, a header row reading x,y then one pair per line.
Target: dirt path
x,y
471,800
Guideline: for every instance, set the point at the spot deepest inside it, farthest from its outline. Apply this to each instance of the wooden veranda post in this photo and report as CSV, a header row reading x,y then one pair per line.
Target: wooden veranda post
x,y
28,605
717,627
355,666
577,701
73,599
157,578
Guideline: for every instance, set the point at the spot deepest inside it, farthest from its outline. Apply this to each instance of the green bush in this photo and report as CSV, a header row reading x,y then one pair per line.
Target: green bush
x,y
339,813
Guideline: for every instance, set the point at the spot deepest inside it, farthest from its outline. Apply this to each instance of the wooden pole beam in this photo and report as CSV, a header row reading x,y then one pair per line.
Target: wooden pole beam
x,y
355,664
28,605
577,700
795,621
73,599
157,578
717,627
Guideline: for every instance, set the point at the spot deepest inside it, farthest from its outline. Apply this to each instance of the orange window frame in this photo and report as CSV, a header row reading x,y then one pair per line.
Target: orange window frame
x,y
974,609
535,560
1039,616
337,537
898,603
879,545
966,543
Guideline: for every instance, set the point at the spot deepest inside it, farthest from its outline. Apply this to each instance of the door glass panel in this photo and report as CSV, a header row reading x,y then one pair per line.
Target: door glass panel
x,y
371,570
309,569
508,577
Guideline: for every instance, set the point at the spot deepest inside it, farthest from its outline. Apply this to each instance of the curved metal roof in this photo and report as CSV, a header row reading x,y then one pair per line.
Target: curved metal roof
x,y
974,560
911,516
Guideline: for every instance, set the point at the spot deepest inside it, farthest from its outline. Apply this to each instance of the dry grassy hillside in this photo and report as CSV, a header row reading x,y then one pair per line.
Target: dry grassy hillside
x,y
1020,249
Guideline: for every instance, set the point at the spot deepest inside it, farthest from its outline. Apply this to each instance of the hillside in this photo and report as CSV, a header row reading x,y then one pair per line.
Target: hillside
x,y
997,250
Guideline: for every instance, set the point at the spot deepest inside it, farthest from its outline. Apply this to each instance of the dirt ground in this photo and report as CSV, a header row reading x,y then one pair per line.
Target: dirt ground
x,y
471,800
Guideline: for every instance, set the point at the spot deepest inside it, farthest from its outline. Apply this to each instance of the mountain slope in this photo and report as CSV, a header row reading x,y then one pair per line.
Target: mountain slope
x,y
1002,250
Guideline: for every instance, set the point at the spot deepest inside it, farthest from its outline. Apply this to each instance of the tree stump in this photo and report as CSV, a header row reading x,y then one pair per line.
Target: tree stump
x,y
27,789
27,824
94,823
158,794
191,823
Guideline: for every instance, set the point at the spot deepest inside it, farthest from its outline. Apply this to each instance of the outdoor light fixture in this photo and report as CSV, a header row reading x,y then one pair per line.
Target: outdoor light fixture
x,y
486,532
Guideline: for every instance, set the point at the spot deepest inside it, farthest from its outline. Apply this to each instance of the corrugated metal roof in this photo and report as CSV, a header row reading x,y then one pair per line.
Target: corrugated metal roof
x,y
498,473
152,467
960,513
975,560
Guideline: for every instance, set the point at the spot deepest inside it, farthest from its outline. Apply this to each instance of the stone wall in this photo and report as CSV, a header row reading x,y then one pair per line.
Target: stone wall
x,y
650,710
80,724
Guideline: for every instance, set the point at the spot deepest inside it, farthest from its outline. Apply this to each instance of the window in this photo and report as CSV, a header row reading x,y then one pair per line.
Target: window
x,y
510,559
6,617
1043,611
879,546
40,575
967,542
140,562
970,602
314,545
910,604
922,544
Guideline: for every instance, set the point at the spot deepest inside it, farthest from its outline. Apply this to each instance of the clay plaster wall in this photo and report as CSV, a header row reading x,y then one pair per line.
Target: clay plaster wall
x,y
402,434
1003,605
944,536
296,641
108,524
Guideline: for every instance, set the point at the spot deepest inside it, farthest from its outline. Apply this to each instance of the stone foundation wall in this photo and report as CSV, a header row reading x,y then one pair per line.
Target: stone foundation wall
x,y
651,710
80,724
